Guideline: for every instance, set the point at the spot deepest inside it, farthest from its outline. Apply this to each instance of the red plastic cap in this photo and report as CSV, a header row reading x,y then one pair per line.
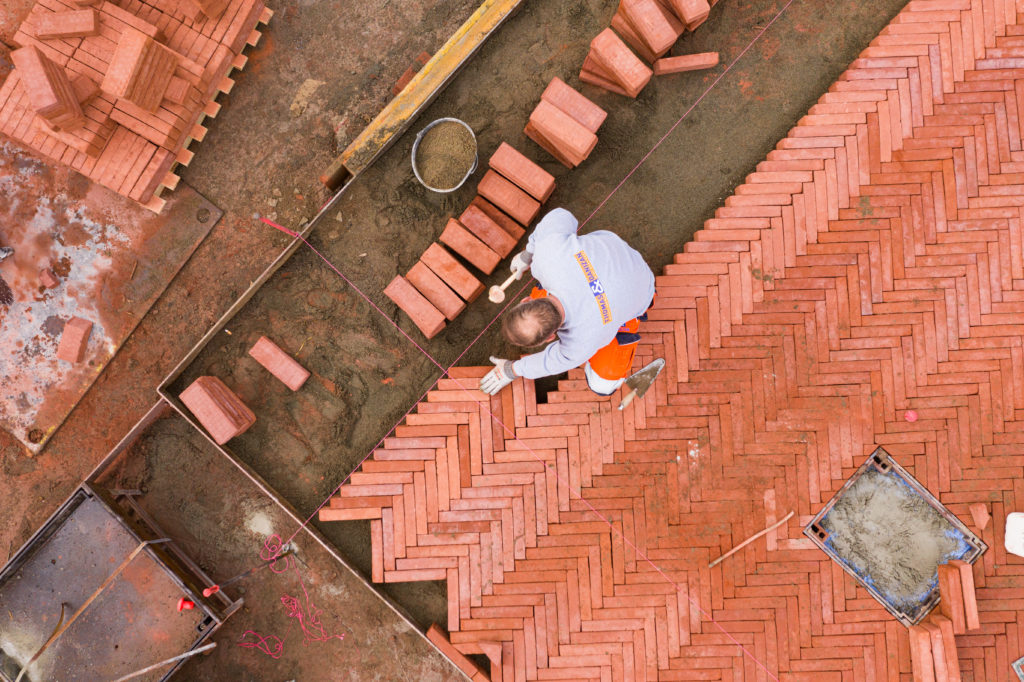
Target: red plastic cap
x,y
185,604
910,416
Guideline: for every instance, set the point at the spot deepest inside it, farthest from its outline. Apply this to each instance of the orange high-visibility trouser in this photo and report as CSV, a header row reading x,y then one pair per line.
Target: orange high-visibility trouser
x,y
614,361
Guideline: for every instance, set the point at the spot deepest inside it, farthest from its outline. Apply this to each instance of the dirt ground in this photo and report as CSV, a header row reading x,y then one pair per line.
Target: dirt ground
x,y
265,150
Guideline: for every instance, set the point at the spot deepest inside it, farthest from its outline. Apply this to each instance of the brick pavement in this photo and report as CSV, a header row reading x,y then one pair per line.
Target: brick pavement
x,y
872,264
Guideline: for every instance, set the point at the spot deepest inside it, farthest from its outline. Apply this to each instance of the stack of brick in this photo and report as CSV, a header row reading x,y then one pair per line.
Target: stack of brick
x,y
650,28
218,409
933,654
48,89
140,70
130,135
279,363
438,287
565,123
957,600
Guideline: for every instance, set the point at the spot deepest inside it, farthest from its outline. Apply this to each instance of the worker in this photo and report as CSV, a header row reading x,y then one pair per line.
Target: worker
x,y
594,290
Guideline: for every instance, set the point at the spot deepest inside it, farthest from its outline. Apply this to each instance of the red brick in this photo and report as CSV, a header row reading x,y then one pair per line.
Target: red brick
x,y
688,62
140,70
509,198
487,231
435,290
530,177
440,639
462,241
48,89
70,24
693,13
650,24
218,409
621,25
948,647
423,314
573,140
979,512
74,340
586,113
594,74
452,272
404,79
921,654
177,90
279,363
47,278
497,215
938,651
619,61
951,597
531,132
970,599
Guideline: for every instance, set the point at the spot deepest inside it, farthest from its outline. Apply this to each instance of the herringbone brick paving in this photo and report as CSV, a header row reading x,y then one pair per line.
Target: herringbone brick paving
x,y
874,263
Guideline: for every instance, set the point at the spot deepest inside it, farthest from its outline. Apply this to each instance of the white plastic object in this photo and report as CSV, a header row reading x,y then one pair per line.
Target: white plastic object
x,y
1014,535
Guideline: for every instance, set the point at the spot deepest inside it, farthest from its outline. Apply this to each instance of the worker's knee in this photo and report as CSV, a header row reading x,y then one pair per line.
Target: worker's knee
x,y
599,384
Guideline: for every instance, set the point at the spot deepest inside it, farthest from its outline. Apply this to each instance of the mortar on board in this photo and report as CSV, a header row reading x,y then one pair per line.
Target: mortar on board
x,y
444,155
888,532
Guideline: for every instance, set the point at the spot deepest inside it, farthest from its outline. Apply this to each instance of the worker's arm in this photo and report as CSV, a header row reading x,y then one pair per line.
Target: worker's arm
x,y
557,357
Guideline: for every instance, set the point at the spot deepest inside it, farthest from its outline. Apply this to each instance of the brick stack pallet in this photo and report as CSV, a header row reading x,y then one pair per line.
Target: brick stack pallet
x,y
873,264
438,287
119,91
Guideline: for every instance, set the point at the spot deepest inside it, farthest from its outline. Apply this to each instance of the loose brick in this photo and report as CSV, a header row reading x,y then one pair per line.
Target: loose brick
x,y
140,70
573,140
951,597
921,654
938,651
509,198
423,314
454,274
514,229
218,409
435,290
687,62
77,23
74,339
594,74
530,177
462,241
948,647
487,231
650,24
619,61
47,278
979,512
586,113
692,13
279,363
625,30
970,599
531,132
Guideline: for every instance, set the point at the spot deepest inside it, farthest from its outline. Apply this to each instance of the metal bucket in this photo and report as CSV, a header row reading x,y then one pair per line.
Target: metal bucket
x,y
416,146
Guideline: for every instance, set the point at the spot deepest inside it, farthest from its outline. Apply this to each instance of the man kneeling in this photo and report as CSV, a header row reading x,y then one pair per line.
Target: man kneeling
x,y
594,290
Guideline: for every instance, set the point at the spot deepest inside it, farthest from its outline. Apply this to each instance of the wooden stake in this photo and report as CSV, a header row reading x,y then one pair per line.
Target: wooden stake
x,y
748,541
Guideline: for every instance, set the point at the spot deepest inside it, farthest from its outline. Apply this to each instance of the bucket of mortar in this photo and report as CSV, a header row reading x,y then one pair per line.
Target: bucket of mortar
x,y
416,147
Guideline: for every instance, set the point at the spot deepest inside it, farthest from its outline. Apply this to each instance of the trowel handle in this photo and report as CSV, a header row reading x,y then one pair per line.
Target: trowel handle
x,y
512,278
627,399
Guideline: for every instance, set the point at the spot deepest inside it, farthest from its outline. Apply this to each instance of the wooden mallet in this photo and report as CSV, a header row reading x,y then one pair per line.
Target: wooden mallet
x,y
496,294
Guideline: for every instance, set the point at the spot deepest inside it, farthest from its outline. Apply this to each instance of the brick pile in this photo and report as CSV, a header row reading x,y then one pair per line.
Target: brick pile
x,y
118,91
565,123
644,31
438,288
872,264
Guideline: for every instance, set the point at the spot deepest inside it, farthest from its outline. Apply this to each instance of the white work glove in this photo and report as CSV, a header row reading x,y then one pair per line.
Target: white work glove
x,y
521,263
499,377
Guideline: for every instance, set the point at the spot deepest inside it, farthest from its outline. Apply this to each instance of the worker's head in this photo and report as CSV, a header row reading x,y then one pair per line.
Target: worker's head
x,y
532,322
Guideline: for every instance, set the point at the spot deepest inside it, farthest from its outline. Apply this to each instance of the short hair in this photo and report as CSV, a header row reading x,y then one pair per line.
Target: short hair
x,y
531,322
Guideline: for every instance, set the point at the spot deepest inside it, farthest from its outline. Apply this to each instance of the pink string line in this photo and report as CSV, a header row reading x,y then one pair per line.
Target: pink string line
x,y
486,407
